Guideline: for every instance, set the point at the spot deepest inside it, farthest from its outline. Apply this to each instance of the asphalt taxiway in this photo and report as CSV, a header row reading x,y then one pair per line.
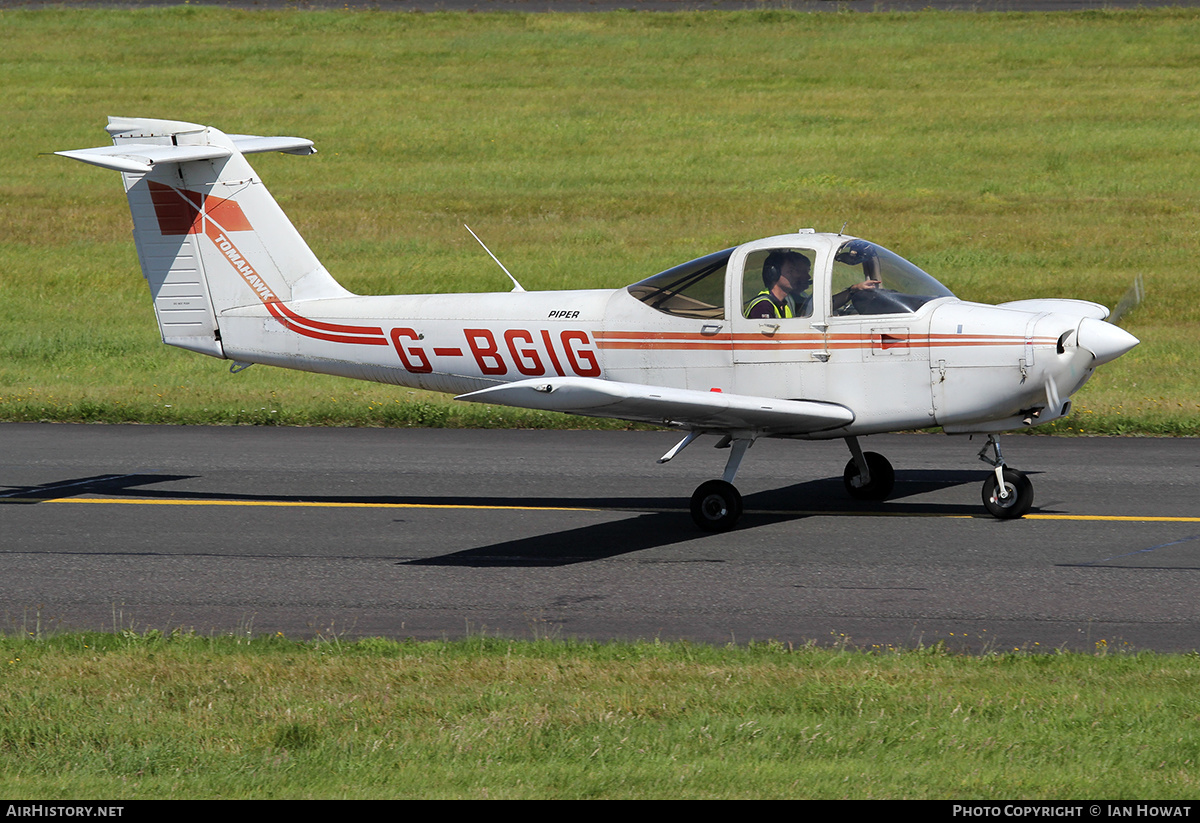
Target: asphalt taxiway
x,y
440,533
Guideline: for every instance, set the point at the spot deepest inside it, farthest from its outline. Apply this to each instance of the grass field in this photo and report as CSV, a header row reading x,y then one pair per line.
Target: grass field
x,y
1012,155
173,715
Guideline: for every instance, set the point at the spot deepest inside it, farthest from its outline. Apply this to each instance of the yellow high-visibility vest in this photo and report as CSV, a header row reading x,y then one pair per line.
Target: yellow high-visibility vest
x,y
775,309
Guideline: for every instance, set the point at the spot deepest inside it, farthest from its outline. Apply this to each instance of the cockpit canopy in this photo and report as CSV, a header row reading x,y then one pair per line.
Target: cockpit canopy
x,y
903,287
698,288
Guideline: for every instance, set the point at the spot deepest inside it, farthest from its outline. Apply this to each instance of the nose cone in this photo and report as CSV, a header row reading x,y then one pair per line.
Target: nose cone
x,y
1105,341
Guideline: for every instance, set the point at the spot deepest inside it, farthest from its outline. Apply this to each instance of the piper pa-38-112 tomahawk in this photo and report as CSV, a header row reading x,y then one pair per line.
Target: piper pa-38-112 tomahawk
x,y
806,335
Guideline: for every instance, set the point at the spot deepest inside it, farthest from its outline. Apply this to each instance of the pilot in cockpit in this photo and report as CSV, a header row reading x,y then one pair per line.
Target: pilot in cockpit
x,y
786,275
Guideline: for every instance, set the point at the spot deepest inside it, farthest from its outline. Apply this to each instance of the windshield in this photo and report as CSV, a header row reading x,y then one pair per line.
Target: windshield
x,y
901,287
693,289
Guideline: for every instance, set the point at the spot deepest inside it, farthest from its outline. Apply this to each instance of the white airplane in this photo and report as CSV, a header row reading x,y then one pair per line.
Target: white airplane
x,y
873,345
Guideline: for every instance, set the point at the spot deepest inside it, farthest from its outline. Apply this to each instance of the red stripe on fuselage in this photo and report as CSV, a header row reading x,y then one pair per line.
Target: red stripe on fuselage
x,y
315,329
341,334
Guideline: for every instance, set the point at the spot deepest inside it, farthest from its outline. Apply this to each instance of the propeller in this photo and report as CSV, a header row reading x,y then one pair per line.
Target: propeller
x,y
1129,301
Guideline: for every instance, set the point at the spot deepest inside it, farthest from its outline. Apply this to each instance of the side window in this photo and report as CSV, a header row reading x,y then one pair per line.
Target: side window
x,y
777,283
693,289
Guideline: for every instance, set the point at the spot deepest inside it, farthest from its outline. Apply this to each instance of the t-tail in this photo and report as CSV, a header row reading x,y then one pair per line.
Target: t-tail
x,y
209,236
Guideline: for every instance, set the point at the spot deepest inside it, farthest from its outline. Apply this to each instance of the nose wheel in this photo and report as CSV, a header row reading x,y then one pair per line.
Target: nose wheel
x,y
1009,499
1007,493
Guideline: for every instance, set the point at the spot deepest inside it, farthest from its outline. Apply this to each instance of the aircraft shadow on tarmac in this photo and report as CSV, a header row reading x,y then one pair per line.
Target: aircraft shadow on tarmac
x,y
655,529
658,522
116,485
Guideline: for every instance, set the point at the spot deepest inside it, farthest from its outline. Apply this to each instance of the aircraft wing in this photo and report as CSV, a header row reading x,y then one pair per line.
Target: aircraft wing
x,y
686,408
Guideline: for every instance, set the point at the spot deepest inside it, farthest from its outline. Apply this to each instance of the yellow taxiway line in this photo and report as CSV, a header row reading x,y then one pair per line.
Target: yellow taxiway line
x,y
306,504
509,507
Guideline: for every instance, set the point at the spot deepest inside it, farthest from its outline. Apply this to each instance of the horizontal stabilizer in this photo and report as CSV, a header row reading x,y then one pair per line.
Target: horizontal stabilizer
x,y
251,144
140,145
655,404
139,159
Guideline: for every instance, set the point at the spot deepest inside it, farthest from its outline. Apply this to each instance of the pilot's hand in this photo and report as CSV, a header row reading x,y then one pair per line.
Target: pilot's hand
x,y
866,284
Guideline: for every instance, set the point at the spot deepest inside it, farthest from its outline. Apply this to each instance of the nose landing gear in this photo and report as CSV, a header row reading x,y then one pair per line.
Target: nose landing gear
x,y
1007,493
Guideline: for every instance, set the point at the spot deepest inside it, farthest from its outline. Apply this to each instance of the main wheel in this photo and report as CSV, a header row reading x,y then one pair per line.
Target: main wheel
x,y
716,506
1019,495
883,478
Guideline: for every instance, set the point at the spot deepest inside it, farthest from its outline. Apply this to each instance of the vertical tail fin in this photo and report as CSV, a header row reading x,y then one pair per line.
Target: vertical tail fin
x,y
209,235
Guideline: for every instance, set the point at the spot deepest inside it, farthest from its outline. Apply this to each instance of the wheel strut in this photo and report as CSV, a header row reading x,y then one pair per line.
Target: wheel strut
x,y
993,442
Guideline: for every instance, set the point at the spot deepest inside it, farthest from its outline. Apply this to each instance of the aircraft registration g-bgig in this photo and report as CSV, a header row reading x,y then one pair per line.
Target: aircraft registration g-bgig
x,y
806,335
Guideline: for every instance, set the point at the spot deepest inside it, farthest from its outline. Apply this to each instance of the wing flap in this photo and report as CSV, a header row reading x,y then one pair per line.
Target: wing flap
x,y
660,405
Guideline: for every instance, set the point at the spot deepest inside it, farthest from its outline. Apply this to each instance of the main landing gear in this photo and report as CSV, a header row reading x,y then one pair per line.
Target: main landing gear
x,y
716,505
867,476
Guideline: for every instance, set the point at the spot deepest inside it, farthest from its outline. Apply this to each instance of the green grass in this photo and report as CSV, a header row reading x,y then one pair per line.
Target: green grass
x,y
1012,155
175,715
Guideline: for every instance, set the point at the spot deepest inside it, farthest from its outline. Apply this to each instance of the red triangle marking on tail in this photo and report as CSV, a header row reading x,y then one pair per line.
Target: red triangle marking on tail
x,y
180,211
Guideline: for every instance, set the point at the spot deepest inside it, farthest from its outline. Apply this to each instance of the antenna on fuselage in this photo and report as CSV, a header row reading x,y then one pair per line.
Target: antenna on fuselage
x,y
516,286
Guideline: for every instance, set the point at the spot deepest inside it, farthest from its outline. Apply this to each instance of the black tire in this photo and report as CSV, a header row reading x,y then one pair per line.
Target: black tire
x,y
1020,495
716,506
883,478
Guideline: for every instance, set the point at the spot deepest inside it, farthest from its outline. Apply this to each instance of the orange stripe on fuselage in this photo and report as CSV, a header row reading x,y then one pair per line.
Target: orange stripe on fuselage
x,y
694,341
